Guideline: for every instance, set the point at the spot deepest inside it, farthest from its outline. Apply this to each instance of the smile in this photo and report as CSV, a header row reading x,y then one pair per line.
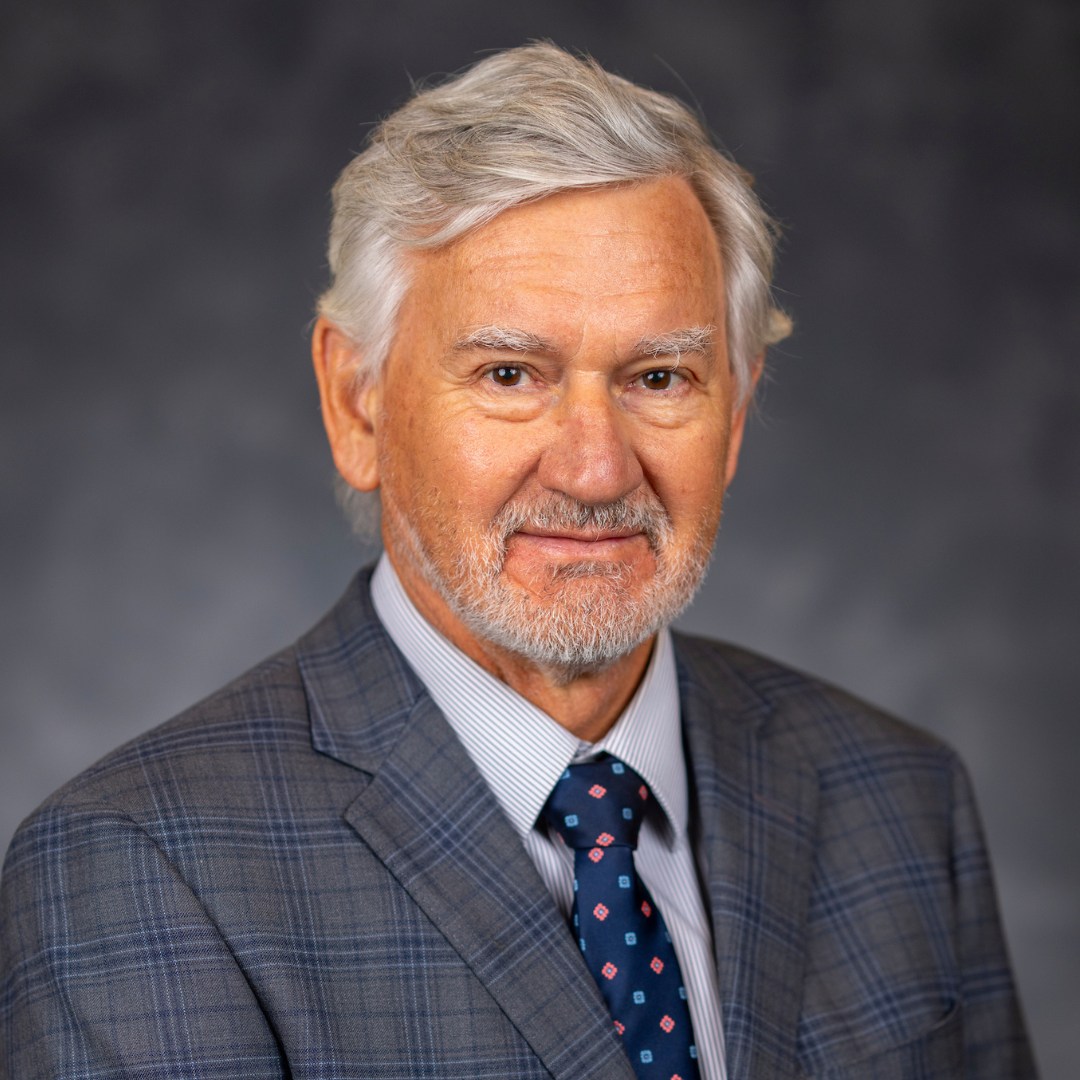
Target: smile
x,y
583,544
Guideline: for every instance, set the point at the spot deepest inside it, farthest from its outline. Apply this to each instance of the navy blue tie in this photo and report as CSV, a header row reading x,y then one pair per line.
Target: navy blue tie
x,y
597,808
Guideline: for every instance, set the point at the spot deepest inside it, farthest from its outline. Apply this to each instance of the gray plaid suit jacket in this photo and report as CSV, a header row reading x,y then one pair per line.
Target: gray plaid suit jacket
x,y
305,876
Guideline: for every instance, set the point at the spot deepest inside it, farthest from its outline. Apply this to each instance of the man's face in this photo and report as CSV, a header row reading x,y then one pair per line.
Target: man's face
x,y
555,427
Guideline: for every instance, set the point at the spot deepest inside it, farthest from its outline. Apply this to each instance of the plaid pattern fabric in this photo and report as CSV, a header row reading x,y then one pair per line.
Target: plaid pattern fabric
x,y
855,922
277,883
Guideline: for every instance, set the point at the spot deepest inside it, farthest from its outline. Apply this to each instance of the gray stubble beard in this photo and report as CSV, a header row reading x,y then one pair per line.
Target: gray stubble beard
x,y
588,616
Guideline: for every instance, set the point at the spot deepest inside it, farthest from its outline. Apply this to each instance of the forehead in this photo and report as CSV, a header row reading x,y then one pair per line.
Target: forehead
x,y
641,255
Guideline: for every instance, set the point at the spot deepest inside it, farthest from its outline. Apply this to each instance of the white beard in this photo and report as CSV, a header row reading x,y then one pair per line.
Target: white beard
x,y
589,614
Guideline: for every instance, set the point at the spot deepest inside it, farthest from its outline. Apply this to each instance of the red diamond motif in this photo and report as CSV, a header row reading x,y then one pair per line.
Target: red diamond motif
x,y
620,1028
600,912
596,854
675,1076
667,1024
609,970
597,791
657,964
643,791
646,908
605,838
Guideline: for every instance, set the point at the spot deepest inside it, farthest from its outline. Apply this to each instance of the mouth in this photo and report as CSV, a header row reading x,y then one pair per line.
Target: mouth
x,y
579,543
585,536
560,529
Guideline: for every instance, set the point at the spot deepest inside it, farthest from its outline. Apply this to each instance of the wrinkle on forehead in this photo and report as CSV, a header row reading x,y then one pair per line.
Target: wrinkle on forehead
x,y
576,222
629,270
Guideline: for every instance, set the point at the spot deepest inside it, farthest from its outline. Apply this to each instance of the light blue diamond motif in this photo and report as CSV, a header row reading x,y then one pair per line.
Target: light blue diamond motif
x,y
565,775
575,884
646,1057
693,1052
639,997
682,992
624,881
577,919
570,820
630,938
581,942
618,767
627,813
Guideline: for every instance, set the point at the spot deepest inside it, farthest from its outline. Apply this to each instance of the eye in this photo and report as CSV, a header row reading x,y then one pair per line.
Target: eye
x,y
661,379
506,375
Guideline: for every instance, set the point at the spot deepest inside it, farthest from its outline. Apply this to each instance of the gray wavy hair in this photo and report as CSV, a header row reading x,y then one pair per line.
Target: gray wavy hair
x,y
517,126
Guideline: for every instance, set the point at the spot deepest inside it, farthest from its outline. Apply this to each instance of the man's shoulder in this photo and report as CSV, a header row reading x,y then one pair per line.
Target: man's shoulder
x,y
256,728
213,739
816,717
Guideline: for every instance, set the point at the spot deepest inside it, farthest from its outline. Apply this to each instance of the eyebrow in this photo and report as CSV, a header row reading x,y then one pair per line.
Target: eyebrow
x,y
502,337
693,339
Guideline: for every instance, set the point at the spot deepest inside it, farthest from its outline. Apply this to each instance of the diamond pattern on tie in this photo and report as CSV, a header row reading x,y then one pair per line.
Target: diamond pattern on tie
x,y
597,808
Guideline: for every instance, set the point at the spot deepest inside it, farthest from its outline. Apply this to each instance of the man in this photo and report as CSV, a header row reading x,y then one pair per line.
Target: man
x,y
490,817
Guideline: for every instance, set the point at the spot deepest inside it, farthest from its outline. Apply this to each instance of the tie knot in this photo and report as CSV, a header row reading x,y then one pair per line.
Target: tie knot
x,y
598,804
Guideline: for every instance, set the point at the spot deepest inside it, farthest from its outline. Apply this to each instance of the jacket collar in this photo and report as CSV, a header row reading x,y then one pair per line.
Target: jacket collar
x,y
427,814
755,800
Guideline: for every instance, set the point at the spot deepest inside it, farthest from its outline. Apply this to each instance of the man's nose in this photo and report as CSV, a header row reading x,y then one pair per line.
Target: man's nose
x,y
590,456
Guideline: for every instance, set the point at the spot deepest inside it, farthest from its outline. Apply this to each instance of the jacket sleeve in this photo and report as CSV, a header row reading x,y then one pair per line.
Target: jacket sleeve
x,y
111,967
995,1041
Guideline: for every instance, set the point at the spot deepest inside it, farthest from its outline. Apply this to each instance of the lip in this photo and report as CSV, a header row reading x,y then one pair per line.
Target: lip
x,y
571,544
585,536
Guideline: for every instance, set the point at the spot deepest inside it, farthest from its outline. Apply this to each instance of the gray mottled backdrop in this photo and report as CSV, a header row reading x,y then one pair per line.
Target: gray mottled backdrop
x,y
906,521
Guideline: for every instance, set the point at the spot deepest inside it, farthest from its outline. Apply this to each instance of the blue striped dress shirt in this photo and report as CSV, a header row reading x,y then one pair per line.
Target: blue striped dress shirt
x,y
521,752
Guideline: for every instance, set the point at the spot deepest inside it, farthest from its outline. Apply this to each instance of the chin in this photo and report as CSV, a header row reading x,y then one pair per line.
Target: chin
x,y
584,618
568,617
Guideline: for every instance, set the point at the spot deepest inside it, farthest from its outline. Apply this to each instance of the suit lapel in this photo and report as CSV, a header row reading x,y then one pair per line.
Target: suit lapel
x,y
756,804
428,815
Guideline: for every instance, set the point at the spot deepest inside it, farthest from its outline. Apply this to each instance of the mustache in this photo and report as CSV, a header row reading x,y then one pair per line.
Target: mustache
x,y
642,512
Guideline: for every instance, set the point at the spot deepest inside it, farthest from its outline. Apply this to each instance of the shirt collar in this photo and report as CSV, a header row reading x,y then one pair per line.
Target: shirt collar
x,y
521,751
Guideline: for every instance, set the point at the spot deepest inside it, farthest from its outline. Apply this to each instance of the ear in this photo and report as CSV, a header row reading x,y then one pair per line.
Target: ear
x,y
738,421
350,410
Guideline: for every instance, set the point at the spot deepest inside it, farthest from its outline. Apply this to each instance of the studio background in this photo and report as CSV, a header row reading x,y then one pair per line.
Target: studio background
x,y
905,521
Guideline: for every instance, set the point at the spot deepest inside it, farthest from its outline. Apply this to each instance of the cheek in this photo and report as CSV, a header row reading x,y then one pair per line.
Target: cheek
x,y
470,446
492,462
458,460
687,473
